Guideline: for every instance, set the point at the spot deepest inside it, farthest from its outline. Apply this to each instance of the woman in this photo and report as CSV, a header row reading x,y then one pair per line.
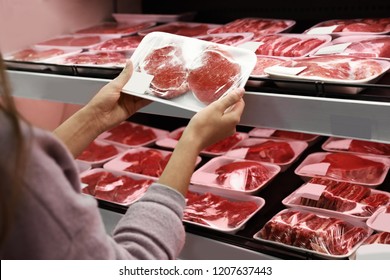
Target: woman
x,y
43,213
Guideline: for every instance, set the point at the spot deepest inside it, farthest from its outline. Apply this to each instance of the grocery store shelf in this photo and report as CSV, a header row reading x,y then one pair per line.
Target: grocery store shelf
x,y
360,119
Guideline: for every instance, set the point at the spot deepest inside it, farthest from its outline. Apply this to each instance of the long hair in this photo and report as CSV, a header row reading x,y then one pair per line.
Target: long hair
x,y
10,195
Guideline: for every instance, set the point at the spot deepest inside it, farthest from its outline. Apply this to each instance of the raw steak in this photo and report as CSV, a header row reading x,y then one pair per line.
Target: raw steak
x,y
293,135
149,162
242,175
71,41
213,73
120,44
225,144
36,55
378,238
369,25
167,65
264,62
131,134
271,151
376,47
92,180
225,40
114,28
101,58
321,234
368,147
353,168
96,152
218,210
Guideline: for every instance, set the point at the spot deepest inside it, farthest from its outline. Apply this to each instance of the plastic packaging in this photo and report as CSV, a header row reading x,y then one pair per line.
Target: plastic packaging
x,y
235,175
333,197
230,39
95,59
138,18
188,29
218,210
356,146
359,169
115,29
325,236
98,152
74,41
263,132
187,72
40,54
127,44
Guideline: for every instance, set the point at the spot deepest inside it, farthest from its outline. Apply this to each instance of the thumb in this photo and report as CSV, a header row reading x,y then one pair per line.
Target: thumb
x,y
125,75
230,99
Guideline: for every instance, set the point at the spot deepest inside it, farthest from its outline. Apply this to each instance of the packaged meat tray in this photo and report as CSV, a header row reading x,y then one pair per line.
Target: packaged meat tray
x,y
113,186
187,72
218,210
94,60
115,29
257,26
82,166
217,149
161,18
125,44
361,46
132,135
187,29
235,175
360,26
356,146
348,71
263,132
142,160
98,152
230,39
380,220
280,152
287,45
74,41
326,236
40,54
262,62
346,167
330,197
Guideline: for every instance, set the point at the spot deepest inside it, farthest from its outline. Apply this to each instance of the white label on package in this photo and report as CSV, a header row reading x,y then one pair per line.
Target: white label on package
x,y
382,222
237,153
282,70
311,191
138,83
263,132
315,169
339,144
338,48
252,46
322,30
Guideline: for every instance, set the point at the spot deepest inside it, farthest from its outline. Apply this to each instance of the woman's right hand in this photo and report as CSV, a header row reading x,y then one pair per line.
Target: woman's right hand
x,y
215,122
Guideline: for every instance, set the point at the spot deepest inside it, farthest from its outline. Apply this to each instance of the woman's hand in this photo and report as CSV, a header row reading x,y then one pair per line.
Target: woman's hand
x,y
110,107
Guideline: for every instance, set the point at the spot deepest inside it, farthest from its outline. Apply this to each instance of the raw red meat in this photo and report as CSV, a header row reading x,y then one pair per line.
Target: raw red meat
x,y
213,73
378,238
368,147
255,25
96,152
270,151
325,235
376,25
225,144
292,135
287,46
114,28
149,162
226,40
120,44
92,180
218,210
36,55
264,62
242,175
184,29
71,41
101,58
353,168
336,67
131,134
376,47
168,67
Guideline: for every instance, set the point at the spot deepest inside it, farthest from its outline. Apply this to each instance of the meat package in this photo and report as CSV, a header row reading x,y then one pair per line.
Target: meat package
x,y
380,220
262,62
346,167
142,160
115,29
230,39
280,152
116,187
98,152
360,46
238,175
219,210
326,236
257,26
334,144
39,54
328,196
359,26
378,238
187,72
73,40
263,132
131,18
188,29
95,59
131,135
346,70
128,44
216,149
288,45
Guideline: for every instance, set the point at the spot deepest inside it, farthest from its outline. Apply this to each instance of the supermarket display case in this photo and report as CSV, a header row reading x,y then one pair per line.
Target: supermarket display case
x,y
313,110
